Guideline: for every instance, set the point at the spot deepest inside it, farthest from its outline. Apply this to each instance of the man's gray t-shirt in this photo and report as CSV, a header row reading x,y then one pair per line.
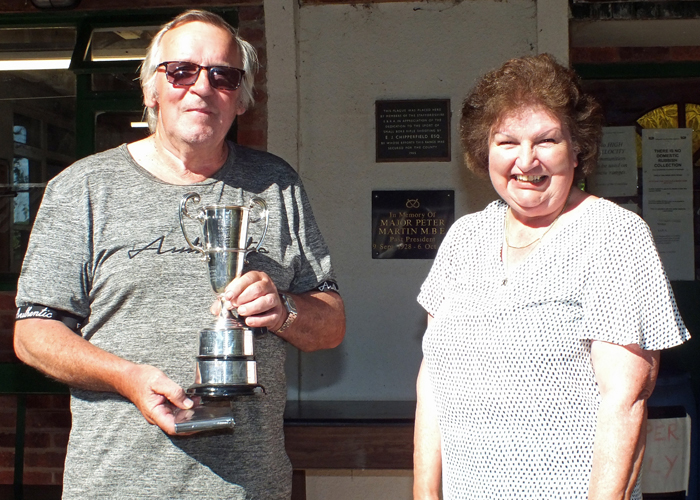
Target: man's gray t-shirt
x,y
107,247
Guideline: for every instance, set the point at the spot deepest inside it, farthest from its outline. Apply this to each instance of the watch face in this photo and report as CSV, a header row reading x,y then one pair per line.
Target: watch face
x,y
289,304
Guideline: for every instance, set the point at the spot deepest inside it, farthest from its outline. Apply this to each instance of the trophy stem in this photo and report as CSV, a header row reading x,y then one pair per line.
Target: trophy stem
x,y
227,318
224,313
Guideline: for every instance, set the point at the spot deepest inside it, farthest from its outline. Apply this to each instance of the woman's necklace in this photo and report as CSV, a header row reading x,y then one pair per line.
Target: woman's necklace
x,y
536,240
505,251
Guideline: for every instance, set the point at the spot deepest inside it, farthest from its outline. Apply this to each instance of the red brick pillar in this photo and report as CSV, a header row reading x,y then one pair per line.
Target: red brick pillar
x,y
252,125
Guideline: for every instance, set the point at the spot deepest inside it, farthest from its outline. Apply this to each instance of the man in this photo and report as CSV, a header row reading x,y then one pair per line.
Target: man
x,y
107,257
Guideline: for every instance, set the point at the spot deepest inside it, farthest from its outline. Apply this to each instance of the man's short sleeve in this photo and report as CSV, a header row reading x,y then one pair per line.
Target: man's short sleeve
x,y
314,263
56,267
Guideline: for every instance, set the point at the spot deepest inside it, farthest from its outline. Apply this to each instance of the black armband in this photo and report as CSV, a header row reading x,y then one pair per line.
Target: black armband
x,y
328,286
37,311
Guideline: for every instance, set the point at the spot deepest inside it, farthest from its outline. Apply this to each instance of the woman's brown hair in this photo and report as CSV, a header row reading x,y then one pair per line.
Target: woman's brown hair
x,y
533,81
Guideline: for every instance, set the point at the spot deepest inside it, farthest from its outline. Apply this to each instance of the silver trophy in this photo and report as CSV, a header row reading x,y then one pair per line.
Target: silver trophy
x,y
225,363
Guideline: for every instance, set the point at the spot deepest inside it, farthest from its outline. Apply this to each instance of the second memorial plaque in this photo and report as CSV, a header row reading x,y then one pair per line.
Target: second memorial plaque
x,y
410,224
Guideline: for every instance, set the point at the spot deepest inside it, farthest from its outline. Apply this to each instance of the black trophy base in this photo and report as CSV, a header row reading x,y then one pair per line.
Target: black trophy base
x,y
223,391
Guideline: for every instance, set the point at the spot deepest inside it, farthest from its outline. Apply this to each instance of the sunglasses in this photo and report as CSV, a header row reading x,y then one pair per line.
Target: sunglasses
x,y
185,74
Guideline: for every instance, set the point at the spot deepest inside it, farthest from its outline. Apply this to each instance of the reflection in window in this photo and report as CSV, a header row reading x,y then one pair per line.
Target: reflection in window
x,y
20,170
20,176
110,82
40,46
32,129
21,215
663,117
53,169
113,128
121,44
20,134
40,137
59,140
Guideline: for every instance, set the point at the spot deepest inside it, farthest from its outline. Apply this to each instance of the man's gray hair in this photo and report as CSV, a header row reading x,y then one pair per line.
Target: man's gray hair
x,y
150,64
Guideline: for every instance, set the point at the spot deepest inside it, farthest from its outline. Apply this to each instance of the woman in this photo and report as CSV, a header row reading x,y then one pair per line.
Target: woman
x,y
546,310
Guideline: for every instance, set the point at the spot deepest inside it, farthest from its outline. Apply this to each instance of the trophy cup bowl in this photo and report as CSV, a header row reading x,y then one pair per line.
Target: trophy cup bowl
x,y
225,362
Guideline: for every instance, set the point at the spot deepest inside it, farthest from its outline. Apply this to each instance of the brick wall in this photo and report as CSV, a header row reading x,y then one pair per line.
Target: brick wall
x,y
47,426
8,403
48,416
252,125
8,416
47,420
7,322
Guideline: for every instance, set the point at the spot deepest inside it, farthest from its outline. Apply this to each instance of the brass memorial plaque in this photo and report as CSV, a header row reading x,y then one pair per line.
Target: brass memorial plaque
x,y
417,130
410,224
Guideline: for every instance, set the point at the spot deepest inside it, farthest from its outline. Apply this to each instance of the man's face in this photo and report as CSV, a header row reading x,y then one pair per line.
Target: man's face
x,y
199,114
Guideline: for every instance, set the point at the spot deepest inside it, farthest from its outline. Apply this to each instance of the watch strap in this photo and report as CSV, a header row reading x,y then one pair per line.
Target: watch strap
x,y
288,303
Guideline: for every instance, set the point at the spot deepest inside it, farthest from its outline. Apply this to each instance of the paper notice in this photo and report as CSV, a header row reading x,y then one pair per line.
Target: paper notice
x,y
616,174
666,466
667,206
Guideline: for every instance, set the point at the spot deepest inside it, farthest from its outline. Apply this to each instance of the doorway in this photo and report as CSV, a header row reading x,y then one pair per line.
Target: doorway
x,y
663,103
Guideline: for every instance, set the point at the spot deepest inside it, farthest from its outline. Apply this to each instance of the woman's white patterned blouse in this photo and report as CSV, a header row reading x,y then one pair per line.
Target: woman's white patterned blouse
x,y
509,359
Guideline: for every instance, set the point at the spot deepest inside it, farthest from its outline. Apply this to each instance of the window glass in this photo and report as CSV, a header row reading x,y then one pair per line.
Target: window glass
x,y
20,171
692,120
24,171
663,117
114,128
37,141
26,48
20,134
668,117
59,139
31,130
21,214
106,82
121,44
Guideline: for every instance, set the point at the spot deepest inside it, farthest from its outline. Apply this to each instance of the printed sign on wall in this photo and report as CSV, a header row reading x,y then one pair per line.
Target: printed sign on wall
x,y
616,173
667,197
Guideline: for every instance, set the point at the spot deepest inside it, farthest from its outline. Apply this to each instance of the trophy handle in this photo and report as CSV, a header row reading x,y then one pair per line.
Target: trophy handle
x,y
183,211
265,214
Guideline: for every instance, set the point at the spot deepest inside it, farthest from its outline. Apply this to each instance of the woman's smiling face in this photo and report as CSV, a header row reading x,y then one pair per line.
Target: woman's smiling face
x,y
531,162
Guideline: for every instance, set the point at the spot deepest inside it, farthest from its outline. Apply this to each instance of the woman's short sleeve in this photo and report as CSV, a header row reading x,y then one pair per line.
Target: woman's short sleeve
x,y
433,290
627,298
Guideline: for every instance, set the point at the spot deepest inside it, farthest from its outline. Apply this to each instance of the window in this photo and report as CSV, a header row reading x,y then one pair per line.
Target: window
x,y
40,143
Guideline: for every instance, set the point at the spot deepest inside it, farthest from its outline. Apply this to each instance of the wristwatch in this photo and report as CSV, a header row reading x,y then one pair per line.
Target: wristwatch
x,y
288,303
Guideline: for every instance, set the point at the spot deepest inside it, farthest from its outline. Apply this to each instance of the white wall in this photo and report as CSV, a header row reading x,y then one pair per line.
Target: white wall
x,y
553,28
349,56
321,98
